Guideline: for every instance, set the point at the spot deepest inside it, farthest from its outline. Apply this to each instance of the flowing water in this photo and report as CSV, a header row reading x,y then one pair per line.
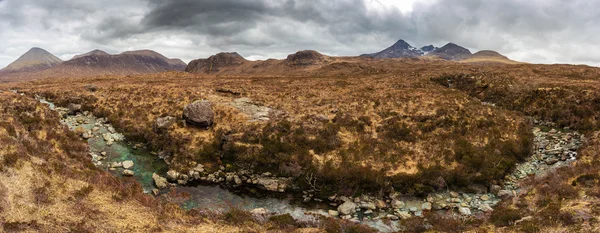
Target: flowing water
x,y
208,197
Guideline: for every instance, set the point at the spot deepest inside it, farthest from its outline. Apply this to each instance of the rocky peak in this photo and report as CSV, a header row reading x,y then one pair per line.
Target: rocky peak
x,y
33,60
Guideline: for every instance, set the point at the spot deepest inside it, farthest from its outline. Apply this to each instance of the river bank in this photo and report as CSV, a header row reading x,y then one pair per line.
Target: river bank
x,y
109,149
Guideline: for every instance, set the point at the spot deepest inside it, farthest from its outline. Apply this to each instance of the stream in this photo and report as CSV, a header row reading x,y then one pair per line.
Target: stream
x,y
553,149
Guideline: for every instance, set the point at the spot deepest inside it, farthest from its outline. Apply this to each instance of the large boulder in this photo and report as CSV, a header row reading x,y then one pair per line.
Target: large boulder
x,y
347,208
199,113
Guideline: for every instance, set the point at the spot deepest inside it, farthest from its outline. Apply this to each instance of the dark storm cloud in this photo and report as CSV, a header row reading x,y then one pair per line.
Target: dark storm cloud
x,y
535,31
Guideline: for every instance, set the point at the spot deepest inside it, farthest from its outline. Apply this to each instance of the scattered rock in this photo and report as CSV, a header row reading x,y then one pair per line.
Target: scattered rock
x,y
404,214
259,211
426,206
484,197
116,165
199,113
164,122
551,161
397,204
155,192
505,194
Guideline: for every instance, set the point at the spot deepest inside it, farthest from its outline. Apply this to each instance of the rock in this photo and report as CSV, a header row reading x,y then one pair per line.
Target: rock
x,y
485,208
528,218
484,197
392,217
551,161
368,205
347,208
116,165
413,209
259,211
464,211
155,192
404,214
273,184
107,137
86,135
128,173
172,175
505,194
127,164
164,122
454,194
495,189
159,181
95,128
103,153
199,113
397,204
380,204
426,206
74,108
333,213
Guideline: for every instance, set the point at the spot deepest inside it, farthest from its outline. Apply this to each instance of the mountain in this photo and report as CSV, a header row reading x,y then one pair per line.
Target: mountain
x,y
215,63
428,49
451,51
36,59
98,62
401,49
95,52
305,58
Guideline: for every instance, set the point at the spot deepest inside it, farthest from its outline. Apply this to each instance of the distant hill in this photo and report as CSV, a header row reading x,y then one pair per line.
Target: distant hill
x,y
36,59
215,63
451,51
98,62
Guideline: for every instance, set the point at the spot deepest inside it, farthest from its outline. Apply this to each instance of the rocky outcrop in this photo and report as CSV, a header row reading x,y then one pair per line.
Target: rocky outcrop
x,y
199,113
215,63
401,49
74,108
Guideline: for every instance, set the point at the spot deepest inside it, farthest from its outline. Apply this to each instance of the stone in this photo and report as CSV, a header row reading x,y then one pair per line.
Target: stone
x,y
116,165
155,192
159,181
392,217
163,123
380,204
413,209
454,194
551,161
404,214
172,175
199,113
109,143
347,208
495,189
505,194
96,128
368,212
74,108
128,172
259,211
86,135
426,206
273,184
103,153
333,213
484,197
368,205
397,204
127,164
464,211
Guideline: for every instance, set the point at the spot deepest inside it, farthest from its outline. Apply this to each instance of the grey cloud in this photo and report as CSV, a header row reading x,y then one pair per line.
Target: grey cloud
x,y
535,31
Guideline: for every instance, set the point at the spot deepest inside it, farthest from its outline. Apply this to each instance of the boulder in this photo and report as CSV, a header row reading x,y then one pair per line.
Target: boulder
x,y
368,205
199,113
127,164
159,181
347,208
404,214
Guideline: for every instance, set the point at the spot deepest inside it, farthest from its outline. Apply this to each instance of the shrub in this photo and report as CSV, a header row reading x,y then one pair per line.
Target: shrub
x,y
503,216
237,217
284,221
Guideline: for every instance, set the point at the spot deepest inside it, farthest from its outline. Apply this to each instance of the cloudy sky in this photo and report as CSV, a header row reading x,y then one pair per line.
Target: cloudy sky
x,y
539,31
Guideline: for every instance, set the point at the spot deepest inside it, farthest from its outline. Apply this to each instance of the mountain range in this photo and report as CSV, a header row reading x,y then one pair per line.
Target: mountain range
x,y
98,62
450,51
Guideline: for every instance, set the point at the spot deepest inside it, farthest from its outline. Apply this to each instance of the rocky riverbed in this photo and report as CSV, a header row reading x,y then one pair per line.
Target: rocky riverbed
x,y
553,148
